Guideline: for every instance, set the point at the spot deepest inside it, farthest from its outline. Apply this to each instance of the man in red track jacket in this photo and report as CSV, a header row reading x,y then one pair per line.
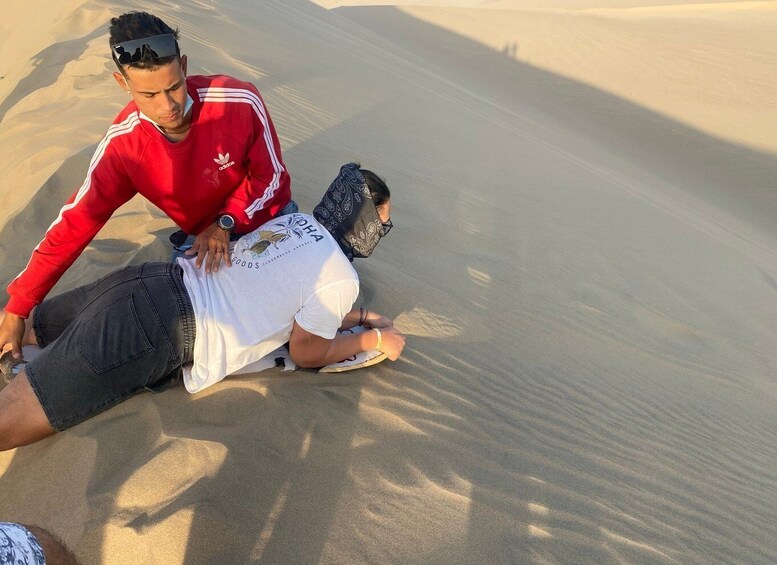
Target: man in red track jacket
x,y
202,148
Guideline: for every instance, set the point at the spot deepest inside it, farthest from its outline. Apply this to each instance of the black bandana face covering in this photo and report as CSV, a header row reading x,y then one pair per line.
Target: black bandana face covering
x,y
348,213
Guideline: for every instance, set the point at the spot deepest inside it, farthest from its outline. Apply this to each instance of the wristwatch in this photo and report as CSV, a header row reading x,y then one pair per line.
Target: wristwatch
x,y
226,223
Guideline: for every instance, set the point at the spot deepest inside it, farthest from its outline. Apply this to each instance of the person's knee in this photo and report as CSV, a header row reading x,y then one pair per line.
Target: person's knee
x,y
6,443
54,550
22,418
10,436
7,439
16,435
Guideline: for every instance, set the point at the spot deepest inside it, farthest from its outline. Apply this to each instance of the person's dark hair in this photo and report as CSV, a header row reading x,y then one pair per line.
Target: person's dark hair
x,y
137,25
378,190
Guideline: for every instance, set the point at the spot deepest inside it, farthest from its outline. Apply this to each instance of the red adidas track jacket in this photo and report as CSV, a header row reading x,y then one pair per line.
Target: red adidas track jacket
x,y
229,163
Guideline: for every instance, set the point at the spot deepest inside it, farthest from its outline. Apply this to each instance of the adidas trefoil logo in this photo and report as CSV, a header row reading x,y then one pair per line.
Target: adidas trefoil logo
x,y
224,161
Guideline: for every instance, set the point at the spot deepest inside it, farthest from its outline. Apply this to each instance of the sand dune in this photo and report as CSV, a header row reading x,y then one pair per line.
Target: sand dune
x,y
708,66
584,261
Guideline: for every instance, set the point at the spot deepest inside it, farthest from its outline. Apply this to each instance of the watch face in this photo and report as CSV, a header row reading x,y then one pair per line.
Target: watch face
x,y
226,222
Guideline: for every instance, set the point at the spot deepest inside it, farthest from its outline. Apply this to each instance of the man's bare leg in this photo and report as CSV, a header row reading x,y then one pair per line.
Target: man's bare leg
x,y
22,419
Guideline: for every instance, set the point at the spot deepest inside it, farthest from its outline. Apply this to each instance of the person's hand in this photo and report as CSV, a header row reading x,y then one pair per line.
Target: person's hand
x,y
211,245
375,320
393,343
11,333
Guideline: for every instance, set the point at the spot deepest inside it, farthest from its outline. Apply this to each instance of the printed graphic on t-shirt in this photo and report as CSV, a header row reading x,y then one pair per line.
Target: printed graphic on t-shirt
x,y
263,245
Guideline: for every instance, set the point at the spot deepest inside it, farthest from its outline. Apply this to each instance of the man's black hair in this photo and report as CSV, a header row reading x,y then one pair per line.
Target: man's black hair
x,y
137,25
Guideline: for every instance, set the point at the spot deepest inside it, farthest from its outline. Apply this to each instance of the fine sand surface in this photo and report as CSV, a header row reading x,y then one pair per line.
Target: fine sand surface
x,y
584,261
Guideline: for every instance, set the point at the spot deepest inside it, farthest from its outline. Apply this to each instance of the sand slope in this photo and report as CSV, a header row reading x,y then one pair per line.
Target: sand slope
x,y
584,261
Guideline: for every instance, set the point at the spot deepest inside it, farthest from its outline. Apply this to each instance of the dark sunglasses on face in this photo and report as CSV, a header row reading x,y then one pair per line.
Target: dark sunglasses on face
x,y
134,50
387,227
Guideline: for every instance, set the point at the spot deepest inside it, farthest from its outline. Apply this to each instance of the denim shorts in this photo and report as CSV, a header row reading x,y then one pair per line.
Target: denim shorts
x,y
102,343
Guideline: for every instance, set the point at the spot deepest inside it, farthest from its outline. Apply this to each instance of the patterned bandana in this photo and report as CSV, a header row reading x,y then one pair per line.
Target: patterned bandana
x,y
348,213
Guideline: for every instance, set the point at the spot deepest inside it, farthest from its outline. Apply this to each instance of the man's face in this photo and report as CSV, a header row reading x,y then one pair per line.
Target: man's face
x,y
159,93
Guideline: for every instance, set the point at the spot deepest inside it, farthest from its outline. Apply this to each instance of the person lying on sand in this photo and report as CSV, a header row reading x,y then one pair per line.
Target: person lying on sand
x,y
143,326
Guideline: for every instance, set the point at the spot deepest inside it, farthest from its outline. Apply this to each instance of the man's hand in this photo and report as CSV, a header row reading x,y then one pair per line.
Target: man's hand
x,y
211,245
11,333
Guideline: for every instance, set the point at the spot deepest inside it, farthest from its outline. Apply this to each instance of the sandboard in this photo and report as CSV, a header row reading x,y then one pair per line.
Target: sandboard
x,y
279,358
358,361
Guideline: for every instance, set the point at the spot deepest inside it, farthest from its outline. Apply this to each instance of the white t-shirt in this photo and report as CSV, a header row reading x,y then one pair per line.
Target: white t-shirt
x,y
288,269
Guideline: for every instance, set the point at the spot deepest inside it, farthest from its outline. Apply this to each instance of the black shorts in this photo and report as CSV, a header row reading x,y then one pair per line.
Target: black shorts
x,y
102,343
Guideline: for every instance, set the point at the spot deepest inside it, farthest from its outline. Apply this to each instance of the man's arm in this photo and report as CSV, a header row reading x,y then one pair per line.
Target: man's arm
x,y
309,350
76,225
266,189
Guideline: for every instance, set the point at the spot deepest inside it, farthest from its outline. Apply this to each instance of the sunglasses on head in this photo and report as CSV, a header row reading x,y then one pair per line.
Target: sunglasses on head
x,y
136,50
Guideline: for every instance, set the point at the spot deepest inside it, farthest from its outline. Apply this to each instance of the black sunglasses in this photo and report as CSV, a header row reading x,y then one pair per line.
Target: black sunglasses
x,y
135,50
387,227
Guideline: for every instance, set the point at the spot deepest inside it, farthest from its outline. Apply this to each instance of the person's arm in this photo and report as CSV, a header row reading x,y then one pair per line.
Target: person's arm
x,y
364,317
309,350
103,191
